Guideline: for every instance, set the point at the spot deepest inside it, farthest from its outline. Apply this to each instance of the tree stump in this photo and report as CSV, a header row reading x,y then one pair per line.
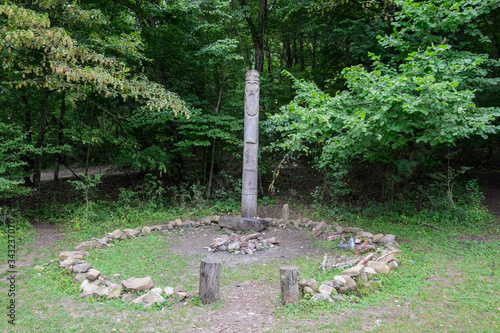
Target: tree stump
x,y
209,280
289,284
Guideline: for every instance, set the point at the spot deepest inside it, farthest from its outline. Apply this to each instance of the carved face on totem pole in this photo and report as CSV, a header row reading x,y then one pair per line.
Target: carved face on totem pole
x,y
252,93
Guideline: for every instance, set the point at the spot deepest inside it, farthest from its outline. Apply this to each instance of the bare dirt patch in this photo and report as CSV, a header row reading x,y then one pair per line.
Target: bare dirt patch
x,y
247,308
293,243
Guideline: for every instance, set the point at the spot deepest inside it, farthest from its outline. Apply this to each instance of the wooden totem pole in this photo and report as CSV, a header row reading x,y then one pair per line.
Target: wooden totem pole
x,y
250,145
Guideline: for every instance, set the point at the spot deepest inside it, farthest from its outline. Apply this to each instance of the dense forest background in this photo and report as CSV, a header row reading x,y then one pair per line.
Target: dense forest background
x,y
368,100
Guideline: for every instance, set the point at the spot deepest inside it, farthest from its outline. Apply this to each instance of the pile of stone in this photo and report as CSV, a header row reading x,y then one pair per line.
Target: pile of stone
x,y
94,284
363,271
248,244
364,240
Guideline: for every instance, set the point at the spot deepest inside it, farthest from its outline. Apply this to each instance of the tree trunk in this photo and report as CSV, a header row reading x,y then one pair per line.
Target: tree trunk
x,y
288,51
301,54
39,145
289,284
58,156
27,129
258,32
210,176
210,270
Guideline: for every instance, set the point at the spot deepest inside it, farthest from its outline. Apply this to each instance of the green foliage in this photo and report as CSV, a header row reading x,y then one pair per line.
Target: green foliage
x,y
86,187
12,150
389,115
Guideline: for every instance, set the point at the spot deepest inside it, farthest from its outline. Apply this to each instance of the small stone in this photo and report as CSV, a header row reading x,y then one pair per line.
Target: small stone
x,y
377,237
343,290
39,268
286,212
84,284
107,281
333,283
138,284
81,268
353,271
179,289
155,228
117,234
364,235
393,265
340,280
310,223
72,255
363,278
369,272
326,290
205,221
86,246
180,295
102,292
178,222
233,246
321,298
129,297
390,238
272,240
168,291
130,233
101,242
379,267
80,277
88,290
339,229
147,300
312,284
320,228
146,230
344,246
382,241
116,275
115,291
302,283
350,283
308,290
93,274
156,290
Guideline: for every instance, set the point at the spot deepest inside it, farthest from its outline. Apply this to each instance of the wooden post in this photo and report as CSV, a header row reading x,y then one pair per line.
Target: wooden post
x,y
209,280
250,145
289,284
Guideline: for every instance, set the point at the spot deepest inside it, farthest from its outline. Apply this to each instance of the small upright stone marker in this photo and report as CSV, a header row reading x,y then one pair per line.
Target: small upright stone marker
x,y
250,145
286,212
289,284
209,280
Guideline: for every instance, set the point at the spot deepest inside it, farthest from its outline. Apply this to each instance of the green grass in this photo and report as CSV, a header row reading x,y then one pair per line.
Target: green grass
x,y
147,256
